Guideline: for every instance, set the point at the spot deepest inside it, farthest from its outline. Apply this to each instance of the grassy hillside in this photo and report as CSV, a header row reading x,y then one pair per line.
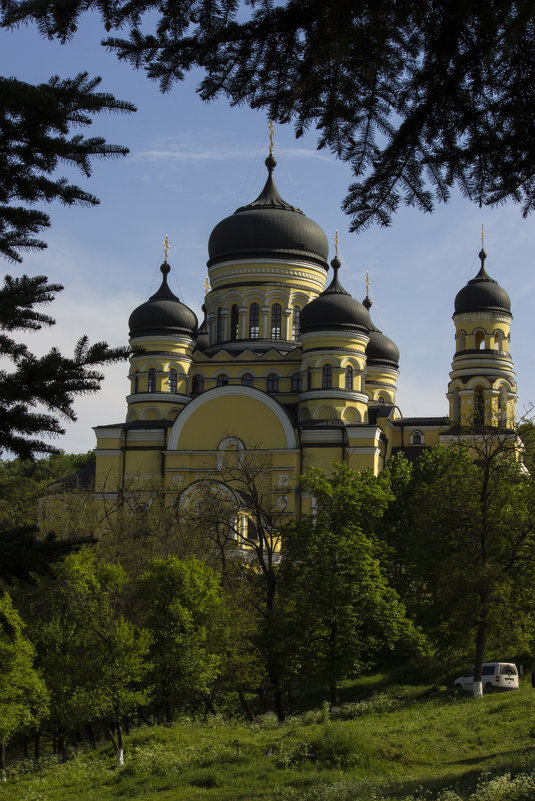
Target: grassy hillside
x,y
403,742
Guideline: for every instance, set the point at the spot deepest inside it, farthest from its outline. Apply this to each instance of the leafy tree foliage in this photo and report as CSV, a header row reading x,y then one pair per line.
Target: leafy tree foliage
x,y
23,695
468,545
417,97
183,613
95,660
342,603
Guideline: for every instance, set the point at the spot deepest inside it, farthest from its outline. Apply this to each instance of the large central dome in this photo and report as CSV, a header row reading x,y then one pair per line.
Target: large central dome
x,y
268,228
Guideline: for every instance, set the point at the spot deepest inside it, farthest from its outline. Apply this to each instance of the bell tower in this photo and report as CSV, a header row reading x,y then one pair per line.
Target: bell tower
x,y
482,387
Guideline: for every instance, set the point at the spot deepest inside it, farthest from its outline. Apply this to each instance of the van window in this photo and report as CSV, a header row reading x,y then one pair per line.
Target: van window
x,y
507,670
488,670
470,672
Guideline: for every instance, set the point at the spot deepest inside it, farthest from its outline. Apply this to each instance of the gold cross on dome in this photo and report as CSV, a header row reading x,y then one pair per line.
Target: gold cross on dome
x,y
336,243
206,285
271,134
166,247
367,285
482,237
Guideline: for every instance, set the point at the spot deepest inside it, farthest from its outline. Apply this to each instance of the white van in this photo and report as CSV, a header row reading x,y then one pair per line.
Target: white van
x,y
494,675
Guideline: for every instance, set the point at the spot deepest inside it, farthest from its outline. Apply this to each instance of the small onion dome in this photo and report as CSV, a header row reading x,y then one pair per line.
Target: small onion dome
x,y
203,336
268,228
162,314
334,309
482,293
380,350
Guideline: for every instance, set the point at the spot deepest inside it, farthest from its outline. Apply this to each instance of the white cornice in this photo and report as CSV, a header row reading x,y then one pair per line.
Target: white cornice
x,y
158,397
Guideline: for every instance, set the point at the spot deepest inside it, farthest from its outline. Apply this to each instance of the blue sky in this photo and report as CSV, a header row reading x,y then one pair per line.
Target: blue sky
x,y
190,165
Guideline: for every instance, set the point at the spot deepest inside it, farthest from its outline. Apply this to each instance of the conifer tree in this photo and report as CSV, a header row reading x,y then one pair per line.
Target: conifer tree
x,y
416,97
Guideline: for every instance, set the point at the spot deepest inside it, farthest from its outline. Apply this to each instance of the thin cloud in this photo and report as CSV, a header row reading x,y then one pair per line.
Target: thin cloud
x,y
181,154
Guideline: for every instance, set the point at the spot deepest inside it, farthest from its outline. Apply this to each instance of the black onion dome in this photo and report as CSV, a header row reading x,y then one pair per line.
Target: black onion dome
x,y
268,228
335,309
162,314
482,293
380,350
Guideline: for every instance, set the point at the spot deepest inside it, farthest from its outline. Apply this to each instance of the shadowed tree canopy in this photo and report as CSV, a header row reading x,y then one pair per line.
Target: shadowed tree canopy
x,y
418,96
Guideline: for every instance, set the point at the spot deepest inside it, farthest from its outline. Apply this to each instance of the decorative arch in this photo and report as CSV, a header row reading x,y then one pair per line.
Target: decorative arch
x,y
237,391
325,413
151,413
131,416
417,438
351,415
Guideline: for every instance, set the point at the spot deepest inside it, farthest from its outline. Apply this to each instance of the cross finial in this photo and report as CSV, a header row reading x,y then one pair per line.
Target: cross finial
x,y
336,243
271,134
206,285
367,284
482,237
166,247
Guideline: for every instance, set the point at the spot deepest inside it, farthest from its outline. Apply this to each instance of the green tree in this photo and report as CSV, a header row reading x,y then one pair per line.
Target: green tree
x,y
339,595
182,610
94,659
23,695
416,97
472,547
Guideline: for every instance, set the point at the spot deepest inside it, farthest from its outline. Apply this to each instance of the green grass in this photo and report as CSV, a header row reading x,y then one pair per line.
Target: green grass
x,y
395,743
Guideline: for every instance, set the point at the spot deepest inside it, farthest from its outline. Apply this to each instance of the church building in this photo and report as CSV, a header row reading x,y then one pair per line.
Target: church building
x,y
288,363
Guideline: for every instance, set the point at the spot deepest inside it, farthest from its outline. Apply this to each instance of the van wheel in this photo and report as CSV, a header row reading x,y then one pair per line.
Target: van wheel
x,y
458,688
489,689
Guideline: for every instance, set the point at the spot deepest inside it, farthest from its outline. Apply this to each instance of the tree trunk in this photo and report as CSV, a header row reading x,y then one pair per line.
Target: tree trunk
x,y
117,744
3,762
245,704
91,735
36,745
481,638
120,746
142,716
334,693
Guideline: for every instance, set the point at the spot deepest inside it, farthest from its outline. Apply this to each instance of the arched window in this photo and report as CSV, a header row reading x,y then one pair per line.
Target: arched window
x,y
349,378
480,340
417,438
136,381
276,318
219,328
222,380
309,378
254,321
326,376
297,382
479,406
498,340
247,380
251,530
234,322
272,383
296,324
197,384
381,399
152,380
172,381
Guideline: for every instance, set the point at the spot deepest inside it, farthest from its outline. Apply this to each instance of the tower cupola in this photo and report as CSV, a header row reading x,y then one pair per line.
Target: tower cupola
x,y
162,313
482,387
